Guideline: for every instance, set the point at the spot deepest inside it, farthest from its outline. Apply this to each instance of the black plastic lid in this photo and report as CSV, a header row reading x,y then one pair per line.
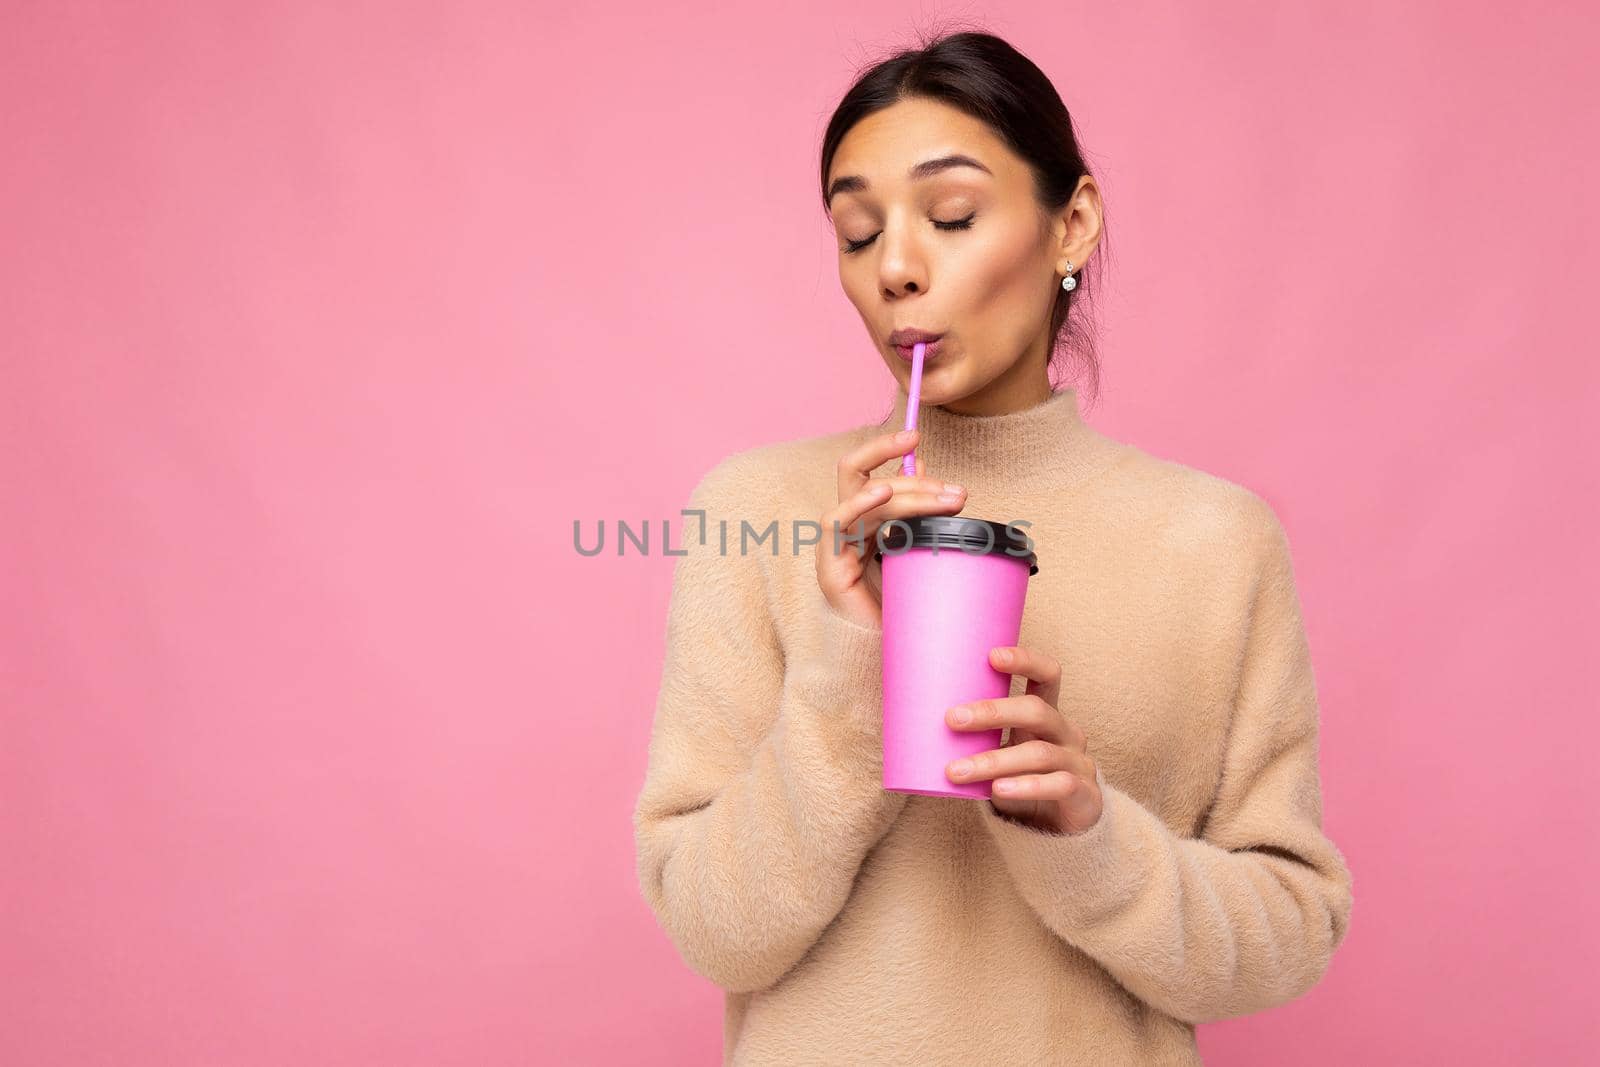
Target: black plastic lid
x,y
976,537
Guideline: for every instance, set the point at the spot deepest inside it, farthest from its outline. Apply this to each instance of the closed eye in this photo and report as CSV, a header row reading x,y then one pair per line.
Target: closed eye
x,y
959,224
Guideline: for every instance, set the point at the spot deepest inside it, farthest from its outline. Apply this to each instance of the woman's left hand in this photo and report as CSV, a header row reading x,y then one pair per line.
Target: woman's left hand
x,y
1043,776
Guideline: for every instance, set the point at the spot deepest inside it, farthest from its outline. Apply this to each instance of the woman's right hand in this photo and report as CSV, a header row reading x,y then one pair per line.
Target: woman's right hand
x,y
871,502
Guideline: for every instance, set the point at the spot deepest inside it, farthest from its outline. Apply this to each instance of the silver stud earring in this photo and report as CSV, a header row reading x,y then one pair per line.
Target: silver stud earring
x,y
1069,283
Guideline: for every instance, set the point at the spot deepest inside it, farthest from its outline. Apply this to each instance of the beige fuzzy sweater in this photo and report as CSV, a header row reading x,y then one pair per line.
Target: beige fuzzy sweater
x,y
853,925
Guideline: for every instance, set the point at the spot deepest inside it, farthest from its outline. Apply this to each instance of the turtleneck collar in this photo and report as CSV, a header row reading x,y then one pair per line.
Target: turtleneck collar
x,y
1046,446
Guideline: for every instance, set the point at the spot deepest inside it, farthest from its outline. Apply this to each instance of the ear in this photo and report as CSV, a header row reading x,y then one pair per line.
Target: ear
x,y
1075,231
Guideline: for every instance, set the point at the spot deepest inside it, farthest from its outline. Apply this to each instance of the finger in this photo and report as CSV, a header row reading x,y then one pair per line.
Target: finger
x,y
1043,671
1075,793
856,465
1035,757
905,505
907,483
840,522
1027,712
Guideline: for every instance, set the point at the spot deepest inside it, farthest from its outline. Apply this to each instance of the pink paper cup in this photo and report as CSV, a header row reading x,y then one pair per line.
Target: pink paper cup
x,y
953,588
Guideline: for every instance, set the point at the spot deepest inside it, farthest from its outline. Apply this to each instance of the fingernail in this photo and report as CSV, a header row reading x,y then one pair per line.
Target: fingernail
x,y
961,716
1003,655
952,487
961,768
904,435
949,498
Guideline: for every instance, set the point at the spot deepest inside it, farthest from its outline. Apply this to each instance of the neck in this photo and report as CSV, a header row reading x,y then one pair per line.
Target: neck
x,y
1044,445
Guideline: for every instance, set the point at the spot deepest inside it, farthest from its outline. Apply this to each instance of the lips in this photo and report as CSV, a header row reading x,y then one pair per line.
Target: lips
x,y
907,352
904,340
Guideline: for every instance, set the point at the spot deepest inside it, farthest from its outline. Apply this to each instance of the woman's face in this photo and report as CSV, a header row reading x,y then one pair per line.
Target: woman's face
x,y
959,248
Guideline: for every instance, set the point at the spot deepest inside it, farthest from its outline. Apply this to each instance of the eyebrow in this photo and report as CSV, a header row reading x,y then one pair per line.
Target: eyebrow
x,y
855,183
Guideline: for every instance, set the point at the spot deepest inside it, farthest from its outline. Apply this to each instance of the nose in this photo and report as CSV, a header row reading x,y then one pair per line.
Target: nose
x,y
902,268
901,275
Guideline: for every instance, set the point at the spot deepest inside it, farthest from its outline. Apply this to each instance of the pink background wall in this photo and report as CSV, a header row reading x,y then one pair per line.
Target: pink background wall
x,y
321,326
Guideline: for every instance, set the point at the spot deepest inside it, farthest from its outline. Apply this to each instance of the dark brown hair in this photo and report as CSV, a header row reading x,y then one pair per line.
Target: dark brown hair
x,y
983,76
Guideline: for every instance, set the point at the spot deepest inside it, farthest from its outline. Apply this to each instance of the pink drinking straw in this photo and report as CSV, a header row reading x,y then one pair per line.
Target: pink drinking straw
x,y
908,466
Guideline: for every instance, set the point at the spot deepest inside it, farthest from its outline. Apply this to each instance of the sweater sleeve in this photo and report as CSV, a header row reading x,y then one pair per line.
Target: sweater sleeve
x,y
1248,915
763,791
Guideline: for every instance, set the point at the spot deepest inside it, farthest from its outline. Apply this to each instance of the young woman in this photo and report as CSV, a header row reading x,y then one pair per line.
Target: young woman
x,y
1152,857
